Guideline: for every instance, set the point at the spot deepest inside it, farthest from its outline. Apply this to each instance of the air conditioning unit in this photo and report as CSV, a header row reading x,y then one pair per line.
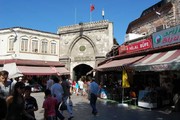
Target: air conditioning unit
x,y
132,36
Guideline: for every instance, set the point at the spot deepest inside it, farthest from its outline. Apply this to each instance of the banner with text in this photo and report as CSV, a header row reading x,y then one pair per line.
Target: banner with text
x,y
166,37
140,45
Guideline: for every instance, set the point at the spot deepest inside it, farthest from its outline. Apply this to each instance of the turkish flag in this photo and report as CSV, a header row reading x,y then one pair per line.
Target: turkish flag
x,y
92,8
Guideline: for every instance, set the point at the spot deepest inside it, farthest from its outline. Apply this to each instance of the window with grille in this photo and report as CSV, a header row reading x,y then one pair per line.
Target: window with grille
x,y
53,47
35,46
24,45
11,44
159,28
44,46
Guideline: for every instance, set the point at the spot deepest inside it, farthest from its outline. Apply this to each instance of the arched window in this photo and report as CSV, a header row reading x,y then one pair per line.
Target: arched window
x,y
35,45
11,43
24,44
53,47
44,46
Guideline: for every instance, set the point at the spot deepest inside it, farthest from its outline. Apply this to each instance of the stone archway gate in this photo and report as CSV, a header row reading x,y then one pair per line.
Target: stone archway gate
x,y
85,43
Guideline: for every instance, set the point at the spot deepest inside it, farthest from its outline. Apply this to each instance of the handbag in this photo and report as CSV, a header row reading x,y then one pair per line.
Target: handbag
x,y
62,106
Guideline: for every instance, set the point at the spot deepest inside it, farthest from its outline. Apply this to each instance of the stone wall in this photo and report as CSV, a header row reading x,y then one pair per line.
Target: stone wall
x,y
85,43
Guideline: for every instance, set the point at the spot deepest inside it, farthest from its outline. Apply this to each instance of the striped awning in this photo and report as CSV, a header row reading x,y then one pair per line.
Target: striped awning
x,y
32,70
118,65
169,60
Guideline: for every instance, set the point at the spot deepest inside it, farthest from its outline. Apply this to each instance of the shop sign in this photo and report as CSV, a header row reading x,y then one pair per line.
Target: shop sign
x,y
141,45
166,37
122,49
159,67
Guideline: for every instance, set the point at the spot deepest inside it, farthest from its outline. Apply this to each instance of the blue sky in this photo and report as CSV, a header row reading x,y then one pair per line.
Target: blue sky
x,y
49,15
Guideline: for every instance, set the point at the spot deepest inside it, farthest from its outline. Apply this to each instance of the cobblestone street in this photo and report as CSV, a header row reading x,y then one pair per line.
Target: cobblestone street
x,y
109,111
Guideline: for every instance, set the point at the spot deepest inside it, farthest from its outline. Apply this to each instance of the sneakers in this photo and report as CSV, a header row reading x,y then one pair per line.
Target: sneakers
x,y
94,113
70,117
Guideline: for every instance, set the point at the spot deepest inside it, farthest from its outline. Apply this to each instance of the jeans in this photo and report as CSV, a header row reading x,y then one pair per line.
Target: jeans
x,y
58,113
93,100
69,108
51,118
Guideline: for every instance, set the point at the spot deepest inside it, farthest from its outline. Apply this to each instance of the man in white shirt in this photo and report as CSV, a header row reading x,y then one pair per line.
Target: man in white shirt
x,y
5,84
81,85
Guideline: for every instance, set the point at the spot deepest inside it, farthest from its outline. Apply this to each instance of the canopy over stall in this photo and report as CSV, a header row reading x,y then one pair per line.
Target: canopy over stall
x,y
117,64
169,60
12,68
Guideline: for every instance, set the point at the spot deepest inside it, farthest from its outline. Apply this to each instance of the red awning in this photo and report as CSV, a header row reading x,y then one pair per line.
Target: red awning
x,y
29,70
169,60
118,64
62,71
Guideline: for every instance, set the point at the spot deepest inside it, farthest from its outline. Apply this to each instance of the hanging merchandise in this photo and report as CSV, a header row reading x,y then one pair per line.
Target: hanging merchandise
x,y
125,82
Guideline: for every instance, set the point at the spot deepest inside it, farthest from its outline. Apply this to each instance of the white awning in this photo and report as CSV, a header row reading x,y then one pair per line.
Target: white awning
x,y
13,70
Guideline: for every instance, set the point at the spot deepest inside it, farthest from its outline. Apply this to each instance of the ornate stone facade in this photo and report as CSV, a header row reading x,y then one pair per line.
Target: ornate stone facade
x,y
160,16
85,44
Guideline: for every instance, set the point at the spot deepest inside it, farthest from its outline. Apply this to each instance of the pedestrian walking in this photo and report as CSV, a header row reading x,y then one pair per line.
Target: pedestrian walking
x,y
77,88
5,84
70,103
15,104
50,105
73,86
66,87
81,86
93,91
57,91
30,102
49,83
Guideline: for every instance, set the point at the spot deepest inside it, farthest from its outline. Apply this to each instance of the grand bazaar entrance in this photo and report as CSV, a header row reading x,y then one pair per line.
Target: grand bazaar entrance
x,y
81,71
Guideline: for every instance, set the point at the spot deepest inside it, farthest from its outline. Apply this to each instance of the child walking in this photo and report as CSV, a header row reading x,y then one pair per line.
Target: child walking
x,y
30,101
49,105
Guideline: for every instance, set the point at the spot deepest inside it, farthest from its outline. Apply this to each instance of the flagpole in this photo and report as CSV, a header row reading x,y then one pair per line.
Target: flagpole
x,y
103,13
75,16
90,16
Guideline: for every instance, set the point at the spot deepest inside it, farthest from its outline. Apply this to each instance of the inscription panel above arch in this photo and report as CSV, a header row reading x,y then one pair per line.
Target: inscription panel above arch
x,y
82,50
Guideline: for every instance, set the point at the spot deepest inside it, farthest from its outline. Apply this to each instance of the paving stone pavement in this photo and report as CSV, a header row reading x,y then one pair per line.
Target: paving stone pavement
x,y
109,110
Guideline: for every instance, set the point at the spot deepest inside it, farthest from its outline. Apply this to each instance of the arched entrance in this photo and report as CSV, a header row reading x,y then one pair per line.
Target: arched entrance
x,y
81,70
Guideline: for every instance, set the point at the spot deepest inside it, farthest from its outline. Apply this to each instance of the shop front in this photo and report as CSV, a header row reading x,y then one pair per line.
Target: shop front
x,y
155,78
111,77
34,72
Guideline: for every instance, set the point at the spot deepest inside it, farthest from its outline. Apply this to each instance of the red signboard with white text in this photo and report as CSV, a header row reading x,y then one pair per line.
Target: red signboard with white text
x,y
140,45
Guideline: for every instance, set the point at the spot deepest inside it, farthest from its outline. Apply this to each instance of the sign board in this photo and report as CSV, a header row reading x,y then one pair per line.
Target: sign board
x,y
140,45
166,37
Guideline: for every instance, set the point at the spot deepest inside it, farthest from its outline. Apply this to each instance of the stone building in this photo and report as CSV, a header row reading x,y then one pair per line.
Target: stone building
x,y
28,51
162,15
28,44
79,47
84,45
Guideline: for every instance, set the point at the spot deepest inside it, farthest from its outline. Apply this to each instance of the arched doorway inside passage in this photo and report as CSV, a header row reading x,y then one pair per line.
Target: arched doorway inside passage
x,y
81,70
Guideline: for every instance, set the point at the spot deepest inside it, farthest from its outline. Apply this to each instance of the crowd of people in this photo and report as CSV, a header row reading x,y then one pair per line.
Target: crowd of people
x,y
17,103
17,99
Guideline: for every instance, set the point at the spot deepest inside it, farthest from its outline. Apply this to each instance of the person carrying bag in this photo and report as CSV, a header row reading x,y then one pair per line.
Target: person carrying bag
x,y
62,106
